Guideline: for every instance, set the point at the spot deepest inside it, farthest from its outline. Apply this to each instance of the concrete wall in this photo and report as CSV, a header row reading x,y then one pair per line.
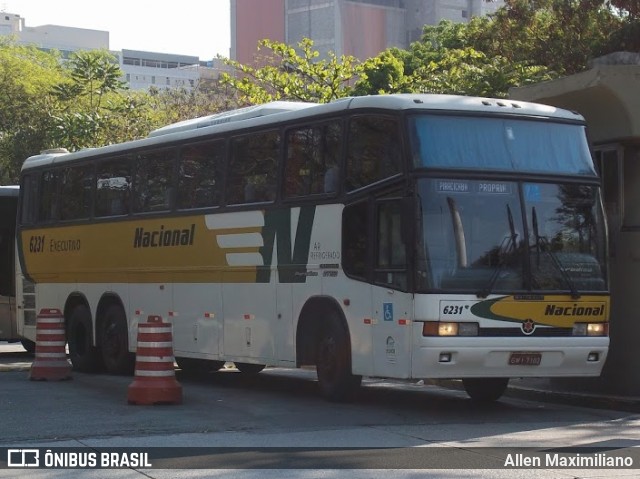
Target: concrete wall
x,y
252,21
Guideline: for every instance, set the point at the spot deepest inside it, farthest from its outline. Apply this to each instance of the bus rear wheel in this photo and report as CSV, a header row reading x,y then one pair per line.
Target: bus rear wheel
x,y
114,342
485,389
84,356
28,345
333,363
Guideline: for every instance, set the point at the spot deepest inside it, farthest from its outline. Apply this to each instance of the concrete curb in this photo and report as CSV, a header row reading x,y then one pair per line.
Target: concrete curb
x,y
573,398
15,367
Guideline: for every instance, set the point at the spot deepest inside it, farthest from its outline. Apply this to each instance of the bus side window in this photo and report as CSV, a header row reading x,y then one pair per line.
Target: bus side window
x,y
391,255
253,167
374,150
76,184
355,238
200,175
113,187
29,207
48,209
153,181
312,160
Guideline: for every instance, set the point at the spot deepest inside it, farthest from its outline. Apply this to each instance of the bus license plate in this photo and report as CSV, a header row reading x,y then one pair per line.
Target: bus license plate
x,y
525,359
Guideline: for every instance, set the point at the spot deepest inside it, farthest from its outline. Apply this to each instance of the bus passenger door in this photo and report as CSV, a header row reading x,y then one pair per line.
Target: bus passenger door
x,y
392,304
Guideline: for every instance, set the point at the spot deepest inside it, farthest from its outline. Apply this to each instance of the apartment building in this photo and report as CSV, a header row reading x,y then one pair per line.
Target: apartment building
x,y
362,28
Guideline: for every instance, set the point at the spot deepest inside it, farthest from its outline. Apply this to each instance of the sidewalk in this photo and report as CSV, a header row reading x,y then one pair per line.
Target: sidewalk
x,y
572,391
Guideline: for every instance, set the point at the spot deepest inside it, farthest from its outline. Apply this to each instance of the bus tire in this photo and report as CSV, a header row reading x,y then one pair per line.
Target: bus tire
x,y
485,389
333,362
28,345
249,368
84,356
114,342
198,366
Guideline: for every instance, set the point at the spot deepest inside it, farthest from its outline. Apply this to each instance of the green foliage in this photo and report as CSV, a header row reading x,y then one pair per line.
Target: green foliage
x,y
92,102
81,103
562,35
383,74
470,72
26,77
525,42
174,105
290,74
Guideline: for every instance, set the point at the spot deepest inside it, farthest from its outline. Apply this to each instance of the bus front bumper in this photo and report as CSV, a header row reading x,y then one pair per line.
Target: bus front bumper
x,y
518,357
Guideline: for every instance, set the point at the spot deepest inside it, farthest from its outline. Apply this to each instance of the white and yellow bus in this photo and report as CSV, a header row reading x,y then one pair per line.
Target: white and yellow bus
x,y
399,236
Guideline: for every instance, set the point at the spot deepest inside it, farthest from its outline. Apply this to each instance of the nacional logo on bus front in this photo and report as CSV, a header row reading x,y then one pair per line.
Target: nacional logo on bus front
x,y
542,311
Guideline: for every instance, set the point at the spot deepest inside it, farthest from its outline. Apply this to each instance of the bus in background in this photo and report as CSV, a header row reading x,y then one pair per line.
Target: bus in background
x,y
399,236
8,326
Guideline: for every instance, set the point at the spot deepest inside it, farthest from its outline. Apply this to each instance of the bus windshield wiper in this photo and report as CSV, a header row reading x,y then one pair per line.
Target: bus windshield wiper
x,y
502,253
542,244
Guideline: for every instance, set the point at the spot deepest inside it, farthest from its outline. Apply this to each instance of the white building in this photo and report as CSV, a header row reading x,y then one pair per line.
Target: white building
x,y
53,37
142,70
160,70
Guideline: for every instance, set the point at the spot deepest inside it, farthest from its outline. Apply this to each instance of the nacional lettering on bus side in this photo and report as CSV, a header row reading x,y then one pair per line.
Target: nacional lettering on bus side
x,y
160,238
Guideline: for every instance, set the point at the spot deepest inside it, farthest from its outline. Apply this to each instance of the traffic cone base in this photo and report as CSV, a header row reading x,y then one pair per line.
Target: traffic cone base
x,y
50,363
145,391
155,378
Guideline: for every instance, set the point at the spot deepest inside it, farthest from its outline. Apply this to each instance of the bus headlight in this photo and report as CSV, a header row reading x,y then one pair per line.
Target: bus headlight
x,y
449,328
591,329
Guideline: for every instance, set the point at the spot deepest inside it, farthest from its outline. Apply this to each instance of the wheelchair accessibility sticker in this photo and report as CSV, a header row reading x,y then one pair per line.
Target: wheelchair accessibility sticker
x,y
387,310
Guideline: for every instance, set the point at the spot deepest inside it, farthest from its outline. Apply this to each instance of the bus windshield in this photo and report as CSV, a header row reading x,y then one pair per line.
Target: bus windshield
x,y
505,236
446,141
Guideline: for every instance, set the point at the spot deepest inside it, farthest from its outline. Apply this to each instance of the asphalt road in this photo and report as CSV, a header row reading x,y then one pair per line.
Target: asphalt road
x,y
275,424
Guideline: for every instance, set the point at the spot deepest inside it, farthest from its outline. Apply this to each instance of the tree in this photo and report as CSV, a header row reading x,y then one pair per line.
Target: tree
x,y
26,78
178,104
526,41
627,38
92,102
445,62
630,7
561,35
290,74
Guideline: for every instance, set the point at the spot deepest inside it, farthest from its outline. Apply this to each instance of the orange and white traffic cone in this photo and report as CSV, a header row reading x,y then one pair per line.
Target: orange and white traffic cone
x,y
50,363
155,378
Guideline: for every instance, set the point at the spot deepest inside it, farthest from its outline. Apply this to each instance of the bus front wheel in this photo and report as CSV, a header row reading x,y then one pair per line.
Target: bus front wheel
x,y
333,363
114,342
249,368
84,356
485,389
